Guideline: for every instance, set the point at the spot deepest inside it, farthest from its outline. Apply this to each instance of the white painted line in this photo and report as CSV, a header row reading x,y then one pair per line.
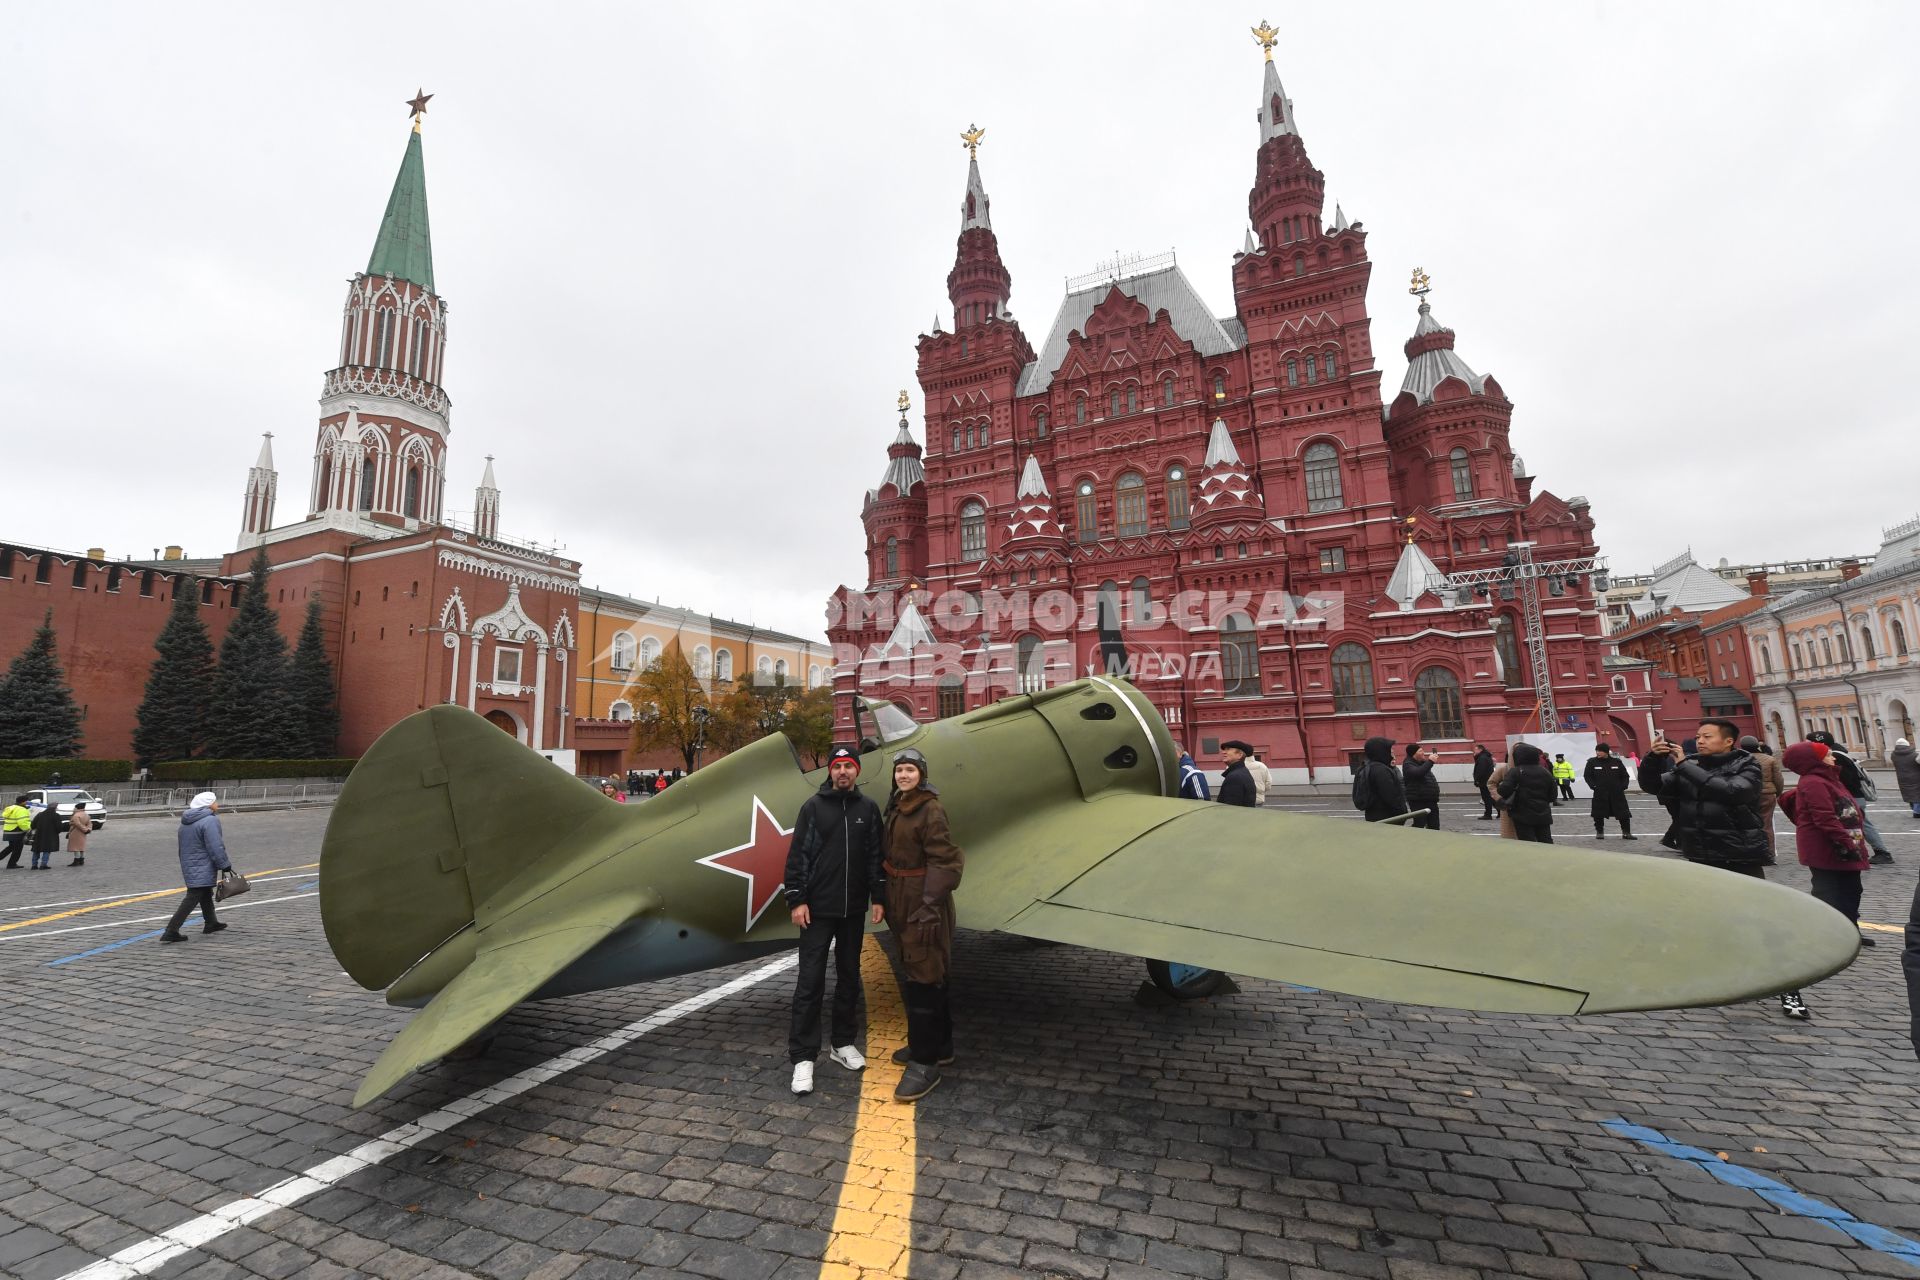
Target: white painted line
x,y
121,924
115,897
155,1252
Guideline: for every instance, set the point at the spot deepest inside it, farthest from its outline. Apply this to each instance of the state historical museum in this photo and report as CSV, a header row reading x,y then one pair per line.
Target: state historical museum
x,y
1221,508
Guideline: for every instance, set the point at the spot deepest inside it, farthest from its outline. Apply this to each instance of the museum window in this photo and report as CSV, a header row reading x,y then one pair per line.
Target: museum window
x,y
1040,424
1179,509
1899,637
1293,373
953,696
1436,693
1084,512
973,532
1239,657
1031,663
1313,370
623,647
1333,559
1133,397
1323,478
956,441
413,493
1113,403
1130,505
1866,643
1332,372
1140,605
1079,409
1506,650
1299,265
506,666
1352,679
1462,468
986,434
893,557
1166,391
969,435
1219,386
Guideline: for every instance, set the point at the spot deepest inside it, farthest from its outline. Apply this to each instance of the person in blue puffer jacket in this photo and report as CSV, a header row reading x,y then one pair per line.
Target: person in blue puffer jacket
x,y
203,858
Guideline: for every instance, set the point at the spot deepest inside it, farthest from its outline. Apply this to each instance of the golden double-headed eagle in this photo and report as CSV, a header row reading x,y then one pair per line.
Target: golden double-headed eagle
x,y
972,139
1267,36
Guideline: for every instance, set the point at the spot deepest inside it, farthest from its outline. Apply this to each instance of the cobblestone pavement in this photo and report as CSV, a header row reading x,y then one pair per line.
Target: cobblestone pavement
x,y
1274,1132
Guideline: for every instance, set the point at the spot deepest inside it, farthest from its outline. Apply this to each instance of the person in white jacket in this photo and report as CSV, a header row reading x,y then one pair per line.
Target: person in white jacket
x,y
1260,779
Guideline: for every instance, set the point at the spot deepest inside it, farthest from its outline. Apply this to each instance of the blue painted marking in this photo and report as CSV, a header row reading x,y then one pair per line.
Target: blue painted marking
x,y
308,885
1775,1193
111,946
1294,986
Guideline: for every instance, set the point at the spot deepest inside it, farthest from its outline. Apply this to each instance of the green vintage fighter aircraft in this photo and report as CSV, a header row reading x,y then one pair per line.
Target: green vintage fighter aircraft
x,y
465,873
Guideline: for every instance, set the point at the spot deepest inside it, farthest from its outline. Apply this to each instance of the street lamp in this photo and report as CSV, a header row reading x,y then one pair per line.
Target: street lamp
x,y
702,716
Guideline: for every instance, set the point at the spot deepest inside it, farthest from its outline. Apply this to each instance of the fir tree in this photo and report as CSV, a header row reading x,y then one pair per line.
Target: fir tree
x,y
248,718
173,714
315,716
38,718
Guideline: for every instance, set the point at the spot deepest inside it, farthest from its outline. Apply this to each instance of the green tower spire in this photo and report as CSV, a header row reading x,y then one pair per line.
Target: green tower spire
x,y
404,249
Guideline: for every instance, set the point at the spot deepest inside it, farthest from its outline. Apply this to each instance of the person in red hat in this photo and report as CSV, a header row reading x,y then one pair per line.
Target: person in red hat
x,y
832,884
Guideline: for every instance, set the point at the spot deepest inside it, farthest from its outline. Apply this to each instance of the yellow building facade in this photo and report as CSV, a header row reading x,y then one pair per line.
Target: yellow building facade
x,y
620,636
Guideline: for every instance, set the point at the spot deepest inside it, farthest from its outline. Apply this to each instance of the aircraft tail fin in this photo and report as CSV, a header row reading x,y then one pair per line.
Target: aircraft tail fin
x,y
512,963
441,812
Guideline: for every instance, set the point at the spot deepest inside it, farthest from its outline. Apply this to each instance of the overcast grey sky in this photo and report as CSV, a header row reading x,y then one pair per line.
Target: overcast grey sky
x,y
687,250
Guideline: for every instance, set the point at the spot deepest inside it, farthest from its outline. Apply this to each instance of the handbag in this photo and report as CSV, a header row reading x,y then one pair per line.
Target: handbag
x,y
231,885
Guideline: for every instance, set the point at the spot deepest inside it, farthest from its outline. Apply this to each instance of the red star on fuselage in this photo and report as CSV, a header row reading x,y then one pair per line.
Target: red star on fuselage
x,y
762,860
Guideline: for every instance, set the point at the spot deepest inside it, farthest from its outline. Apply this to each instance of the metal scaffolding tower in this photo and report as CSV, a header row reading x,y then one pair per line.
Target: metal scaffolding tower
x,y
1521,575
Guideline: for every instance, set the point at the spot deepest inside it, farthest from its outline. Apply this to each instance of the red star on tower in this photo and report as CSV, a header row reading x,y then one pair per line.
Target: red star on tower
x,y
762,860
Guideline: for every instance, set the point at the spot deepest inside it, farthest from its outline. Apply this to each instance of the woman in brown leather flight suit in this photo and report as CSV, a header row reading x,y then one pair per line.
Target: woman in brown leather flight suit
x,y
923,868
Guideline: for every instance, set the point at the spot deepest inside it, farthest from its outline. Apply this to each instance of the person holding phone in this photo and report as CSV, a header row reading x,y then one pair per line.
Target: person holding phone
x,y
1713,798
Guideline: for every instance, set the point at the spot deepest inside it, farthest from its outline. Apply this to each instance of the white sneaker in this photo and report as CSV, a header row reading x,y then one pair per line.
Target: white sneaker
x,y
849,1057
803,1077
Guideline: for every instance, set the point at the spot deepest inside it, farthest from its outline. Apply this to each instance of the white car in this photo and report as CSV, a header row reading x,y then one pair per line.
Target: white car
x,y
63,799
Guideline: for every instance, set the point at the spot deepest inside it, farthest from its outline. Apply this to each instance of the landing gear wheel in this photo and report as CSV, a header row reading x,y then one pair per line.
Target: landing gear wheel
x,y
1185,981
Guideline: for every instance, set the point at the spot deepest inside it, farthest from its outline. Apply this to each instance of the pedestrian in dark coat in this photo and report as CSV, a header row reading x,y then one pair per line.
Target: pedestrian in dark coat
x,y
203,858
1606,776
1529,794
1419,785
1906,771
1713,797
833,876
1483,763
1377,790
45,832
1236,784
923,867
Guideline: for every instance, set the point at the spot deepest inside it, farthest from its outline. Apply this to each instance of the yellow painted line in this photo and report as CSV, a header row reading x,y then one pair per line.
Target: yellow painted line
x,y
1883,928
872,1233
122,902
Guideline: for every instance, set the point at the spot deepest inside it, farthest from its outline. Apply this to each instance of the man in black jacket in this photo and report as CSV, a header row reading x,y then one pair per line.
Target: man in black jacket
x,y
1528,790
1607,778
1714,798
833,874
1483,770
1236,784
1377,790
1419,785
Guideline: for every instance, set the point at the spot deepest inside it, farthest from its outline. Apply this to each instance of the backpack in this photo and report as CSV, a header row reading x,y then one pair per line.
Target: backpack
x,y
1363,787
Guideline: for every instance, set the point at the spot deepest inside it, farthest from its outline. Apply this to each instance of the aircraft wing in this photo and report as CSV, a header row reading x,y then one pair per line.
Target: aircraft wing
x,y
1387,913
513,958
